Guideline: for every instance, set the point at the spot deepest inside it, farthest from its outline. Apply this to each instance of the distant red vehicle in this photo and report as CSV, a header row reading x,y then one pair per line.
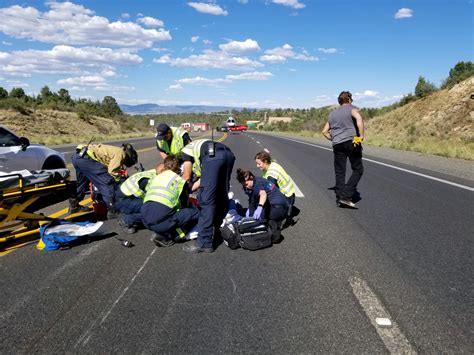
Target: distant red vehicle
x,y
238,128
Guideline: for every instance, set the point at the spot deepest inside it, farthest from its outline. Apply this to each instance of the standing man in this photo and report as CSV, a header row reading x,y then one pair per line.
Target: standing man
x,y
345,128
170,140
212,163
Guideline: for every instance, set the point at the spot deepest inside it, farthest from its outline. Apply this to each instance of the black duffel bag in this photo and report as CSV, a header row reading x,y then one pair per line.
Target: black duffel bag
x,y
247,233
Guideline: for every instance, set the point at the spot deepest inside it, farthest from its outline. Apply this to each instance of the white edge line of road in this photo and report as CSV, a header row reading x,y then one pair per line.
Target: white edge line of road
x,y
391,166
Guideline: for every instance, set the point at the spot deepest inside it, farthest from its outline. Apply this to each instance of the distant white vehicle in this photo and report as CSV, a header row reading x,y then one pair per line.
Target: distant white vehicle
x,y
230,122
16,153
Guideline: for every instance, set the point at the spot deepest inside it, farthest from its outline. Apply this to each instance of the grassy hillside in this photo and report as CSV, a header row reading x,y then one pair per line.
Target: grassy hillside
x,y
441,124
58,127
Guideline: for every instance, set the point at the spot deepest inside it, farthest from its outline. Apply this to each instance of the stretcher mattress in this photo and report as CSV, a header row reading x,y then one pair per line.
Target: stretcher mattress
x,y
10,181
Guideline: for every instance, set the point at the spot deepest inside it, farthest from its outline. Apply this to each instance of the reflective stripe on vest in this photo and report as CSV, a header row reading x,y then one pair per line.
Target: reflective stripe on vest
x,y
177,142
131,186
284,181
193,149
165,188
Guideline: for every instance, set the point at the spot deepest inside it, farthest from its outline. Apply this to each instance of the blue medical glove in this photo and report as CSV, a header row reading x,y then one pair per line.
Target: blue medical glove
x,y
258,212
247,214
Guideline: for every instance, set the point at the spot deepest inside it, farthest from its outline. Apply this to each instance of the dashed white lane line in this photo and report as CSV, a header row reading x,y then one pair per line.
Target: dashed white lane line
x,y
84,338
392,337
391,166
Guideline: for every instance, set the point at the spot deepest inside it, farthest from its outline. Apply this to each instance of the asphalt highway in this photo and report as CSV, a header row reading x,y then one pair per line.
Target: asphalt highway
x,y
405,255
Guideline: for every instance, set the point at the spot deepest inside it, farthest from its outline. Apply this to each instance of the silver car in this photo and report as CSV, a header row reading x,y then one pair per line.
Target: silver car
x,y
16,153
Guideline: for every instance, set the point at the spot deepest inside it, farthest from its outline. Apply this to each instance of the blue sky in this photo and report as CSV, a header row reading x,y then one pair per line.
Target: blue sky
x,y
245,53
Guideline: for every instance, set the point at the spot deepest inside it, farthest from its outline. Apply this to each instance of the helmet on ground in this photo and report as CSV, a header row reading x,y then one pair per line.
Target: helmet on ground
x,y
131,155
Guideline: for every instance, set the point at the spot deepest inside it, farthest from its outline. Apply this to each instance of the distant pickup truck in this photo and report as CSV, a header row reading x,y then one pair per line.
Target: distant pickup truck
x,y
238,128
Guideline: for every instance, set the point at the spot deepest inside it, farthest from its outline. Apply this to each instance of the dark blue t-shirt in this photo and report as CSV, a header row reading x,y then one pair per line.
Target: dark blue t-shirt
x,y
274,195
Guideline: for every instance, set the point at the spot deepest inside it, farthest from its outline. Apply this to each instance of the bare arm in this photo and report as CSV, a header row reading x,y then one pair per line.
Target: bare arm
x,y
359,121
187,170
163,155
262,197
327,131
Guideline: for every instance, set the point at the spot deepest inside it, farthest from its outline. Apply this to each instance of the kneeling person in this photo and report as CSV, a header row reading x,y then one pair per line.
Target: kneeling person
x,y
129,199
162,210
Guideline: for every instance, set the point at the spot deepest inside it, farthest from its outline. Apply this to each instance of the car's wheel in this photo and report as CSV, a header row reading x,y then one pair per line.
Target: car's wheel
x,y
53,162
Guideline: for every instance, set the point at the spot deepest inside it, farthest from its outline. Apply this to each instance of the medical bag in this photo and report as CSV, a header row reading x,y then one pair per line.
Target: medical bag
x,y
248,233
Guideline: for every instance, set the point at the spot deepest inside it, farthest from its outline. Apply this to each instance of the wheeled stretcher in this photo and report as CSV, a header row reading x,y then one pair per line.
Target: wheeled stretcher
x,y
22,196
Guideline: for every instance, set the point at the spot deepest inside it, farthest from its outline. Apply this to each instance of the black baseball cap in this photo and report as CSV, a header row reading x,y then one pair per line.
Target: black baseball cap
x,y
161,131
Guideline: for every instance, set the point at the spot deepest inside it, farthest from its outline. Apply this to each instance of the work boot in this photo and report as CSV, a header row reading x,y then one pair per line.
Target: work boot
x,y
194,248
161,240
75,207
125,227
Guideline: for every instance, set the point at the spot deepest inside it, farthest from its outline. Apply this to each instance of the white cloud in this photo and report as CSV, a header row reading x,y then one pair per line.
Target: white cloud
x,y
175,87
83,81
272,58
218,82
366,93
67,23
194,39
125,15
210,9
94,82
328,50
210,60
281,54
249,45
151,21
295,4
206,41
159,50
250,76
64,60
404,13
243,1
5,43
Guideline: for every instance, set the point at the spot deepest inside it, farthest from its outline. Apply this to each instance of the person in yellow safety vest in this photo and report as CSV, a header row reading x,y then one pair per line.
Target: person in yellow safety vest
x,y
100,164
166,210
129,199
170,140
274,172
212,162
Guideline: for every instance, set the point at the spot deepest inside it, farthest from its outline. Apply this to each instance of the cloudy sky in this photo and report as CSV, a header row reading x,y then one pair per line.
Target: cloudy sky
x,y
247,53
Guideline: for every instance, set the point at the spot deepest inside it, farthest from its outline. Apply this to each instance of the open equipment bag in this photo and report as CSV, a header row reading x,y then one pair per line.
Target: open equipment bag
x,y
248,233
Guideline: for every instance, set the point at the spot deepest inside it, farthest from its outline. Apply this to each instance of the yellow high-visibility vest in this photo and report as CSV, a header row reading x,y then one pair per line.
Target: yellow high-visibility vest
x,y
284,181
193,149
131,186
165,188
177,142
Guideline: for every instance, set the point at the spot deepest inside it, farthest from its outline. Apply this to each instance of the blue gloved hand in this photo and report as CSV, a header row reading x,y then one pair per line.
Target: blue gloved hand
x,y
258,212
247,214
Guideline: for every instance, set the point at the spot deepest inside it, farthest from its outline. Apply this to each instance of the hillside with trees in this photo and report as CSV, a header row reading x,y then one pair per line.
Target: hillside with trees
x,y
430,120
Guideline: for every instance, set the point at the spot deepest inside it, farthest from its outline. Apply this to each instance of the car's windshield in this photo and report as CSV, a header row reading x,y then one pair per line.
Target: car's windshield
x,y
8,139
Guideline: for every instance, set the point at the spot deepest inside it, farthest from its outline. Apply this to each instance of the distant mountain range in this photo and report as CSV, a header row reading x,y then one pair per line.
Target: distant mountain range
x,y
145,109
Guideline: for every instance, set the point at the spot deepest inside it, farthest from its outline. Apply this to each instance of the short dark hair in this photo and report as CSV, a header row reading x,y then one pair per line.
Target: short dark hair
x,y
244,175
131,155
345,97
264,156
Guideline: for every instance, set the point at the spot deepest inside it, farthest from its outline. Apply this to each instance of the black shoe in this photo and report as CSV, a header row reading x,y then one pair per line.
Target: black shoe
x,y
161,240
194,248
79,209
125,227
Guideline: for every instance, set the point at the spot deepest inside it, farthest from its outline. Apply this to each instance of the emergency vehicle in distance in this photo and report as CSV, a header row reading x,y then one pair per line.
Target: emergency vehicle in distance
x,y
195,127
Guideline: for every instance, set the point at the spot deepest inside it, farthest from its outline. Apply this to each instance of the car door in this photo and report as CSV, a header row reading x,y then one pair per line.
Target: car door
x,y
12,156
